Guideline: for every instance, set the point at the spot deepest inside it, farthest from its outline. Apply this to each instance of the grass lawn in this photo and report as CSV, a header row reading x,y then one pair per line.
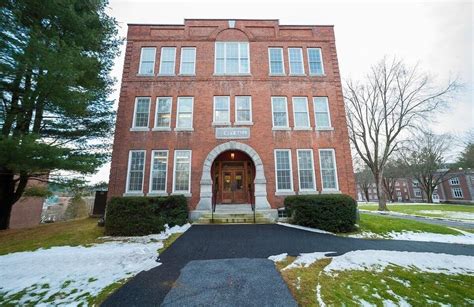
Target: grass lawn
x,y
355,287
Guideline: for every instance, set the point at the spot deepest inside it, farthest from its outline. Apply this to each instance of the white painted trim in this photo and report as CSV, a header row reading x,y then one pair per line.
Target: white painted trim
x,y
181,61
226,122
320,56
248,122
292,189
335,170
192,115
135,114
161,61
273,117
138,193
155,128
330,127
174,191
150,183
141,58
307,114
312,171
225,73
302,62
270,62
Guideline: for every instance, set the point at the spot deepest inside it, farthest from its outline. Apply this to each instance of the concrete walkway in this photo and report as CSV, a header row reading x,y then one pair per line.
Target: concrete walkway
x,y
207,242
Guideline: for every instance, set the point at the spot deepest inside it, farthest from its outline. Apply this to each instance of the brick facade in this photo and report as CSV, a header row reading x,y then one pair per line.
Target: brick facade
x,y
205,84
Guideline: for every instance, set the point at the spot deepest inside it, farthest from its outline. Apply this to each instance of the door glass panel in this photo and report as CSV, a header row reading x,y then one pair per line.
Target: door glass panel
x,y
227,181
239,181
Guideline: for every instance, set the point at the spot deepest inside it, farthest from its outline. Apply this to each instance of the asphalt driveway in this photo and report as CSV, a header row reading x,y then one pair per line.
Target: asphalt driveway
x,y
207,242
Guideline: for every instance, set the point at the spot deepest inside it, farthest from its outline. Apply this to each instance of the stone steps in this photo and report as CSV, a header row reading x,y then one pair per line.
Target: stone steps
x,y
233,218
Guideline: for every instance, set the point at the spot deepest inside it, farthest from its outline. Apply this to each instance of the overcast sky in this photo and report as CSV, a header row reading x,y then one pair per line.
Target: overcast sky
x,y
437,34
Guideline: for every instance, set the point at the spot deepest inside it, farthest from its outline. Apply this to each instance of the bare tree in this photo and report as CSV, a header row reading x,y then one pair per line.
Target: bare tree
x,y
394,170
393,97
424,160
365,180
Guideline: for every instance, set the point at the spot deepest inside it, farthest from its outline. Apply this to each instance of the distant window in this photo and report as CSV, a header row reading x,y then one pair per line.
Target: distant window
x,y
163,112
415,183
188,61
232,58
315,61
136,170
457,192
306,170
276,63
147,61
327,162
454,181
243,109
279,112
184,120
300,112
182,171
295,56
167,61
284,177
417,192
222,110
159,166
142,111
322,117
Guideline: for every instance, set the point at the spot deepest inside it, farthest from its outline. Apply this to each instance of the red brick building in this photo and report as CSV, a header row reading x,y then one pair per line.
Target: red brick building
x,y
228,106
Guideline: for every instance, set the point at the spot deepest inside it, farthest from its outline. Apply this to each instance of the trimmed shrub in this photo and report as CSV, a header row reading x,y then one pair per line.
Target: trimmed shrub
x,y
139,216
330,212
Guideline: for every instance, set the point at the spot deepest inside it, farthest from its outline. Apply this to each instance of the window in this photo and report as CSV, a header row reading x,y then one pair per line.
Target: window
x,y
295,56
279,112
284,176
457,192
141,113
136,170
147,61
306,170
221,110
232,58
321,113
184,118
188,61
167,62
415,183
163,113
243,110
328,169
315,61
454,181
275,56
182,171
159,166
417,192
300,113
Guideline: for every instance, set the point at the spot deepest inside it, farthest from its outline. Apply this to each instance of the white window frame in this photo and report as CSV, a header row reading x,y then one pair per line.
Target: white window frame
x,y
316,127
270,62
127,191
336,189
188,192
161,61
225,58
141,58
214,122
302,61
158,192
155,128
417,192
320,56
312,173
177,115
459,190
295,127
134,128
287,127
181,62
283,191
237,122
454,181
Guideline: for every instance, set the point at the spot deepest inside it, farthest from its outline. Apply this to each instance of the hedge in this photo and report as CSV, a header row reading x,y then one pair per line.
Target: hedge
x,y
139,216
330,212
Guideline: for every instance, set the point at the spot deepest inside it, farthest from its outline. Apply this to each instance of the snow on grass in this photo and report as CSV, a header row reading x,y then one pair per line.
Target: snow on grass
x,y
450,214
306,228
464,238
278,258
306,259
71,275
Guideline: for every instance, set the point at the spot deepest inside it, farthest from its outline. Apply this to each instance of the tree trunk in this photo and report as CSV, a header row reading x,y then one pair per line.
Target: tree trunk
x,y
7,190
366,192
380,192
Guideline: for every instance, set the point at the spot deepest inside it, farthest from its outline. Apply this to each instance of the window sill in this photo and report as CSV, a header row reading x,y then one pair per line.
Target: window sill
x,y
157,194
324,129
220,124
161,129
330,192
184,129
243,124
303,128
277,75
128,194
187,75
232,75
185,194
165,75
281,128
146,75
297,75
317,75
139,129
284,193
308,192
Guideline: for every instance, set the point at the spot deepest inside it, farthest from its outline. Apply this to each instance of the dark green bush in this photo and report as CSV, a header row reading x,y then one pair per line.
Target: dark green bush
x,y
330,212
139,216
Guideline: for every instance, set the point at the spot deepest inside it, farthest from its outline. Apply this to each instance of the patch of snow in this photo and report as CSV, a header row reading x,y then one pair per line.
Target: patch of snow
x,y
450,214
366,235
153,237
306,259
306,228
74,271
467,238
318,296
364,303
278,258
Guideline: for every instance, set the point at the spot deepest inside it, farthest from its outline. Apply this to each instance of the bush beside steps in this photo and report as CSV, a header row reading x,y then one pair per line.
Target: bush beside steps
x,y
330,212
140,216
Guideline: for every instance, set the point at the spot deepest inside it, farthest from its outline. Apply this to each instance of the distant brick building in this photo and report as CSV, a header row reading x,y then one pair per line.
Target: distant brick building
x,y
221,106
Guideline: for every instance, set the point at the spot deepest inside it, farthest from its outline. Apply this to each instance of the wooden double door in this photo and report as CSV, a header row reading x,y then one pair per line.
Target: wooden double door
x,y
232,183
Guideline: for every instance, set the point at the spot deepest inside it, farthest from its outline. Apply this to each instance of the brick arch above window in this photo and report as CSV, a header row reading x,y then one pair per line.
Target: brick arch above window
x,y
234,34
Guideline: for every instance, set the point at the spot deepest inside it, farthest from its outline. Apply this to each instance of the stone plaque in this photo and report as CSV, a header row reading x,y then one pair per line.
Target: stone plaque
x,y
233,133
